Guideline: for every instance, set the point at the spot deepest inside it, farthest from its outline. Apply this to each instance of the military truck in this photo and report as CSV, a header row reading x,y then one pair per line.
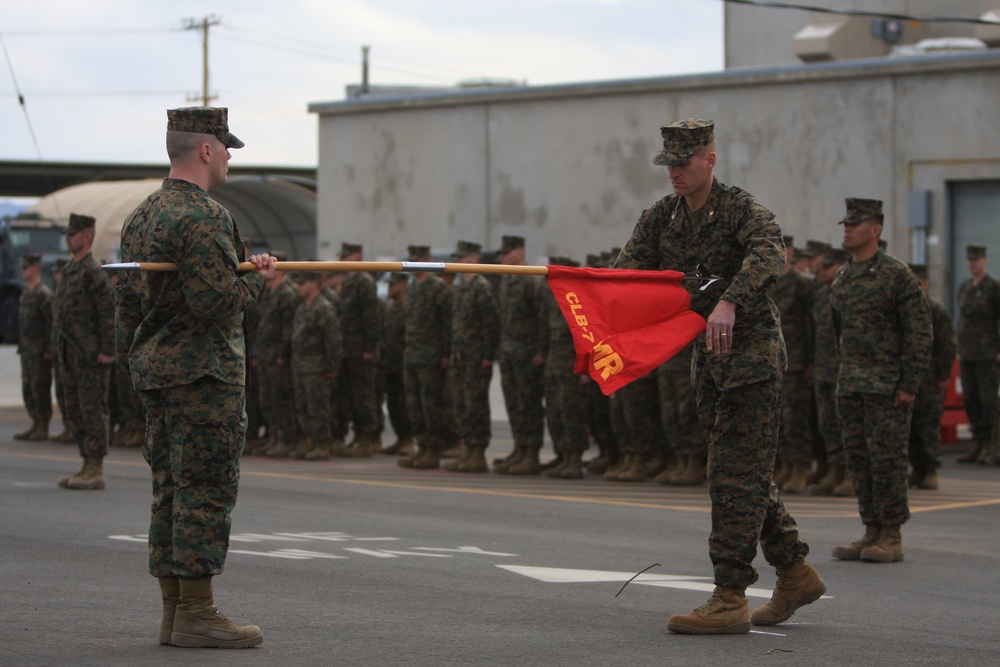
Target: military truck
x,y
25,233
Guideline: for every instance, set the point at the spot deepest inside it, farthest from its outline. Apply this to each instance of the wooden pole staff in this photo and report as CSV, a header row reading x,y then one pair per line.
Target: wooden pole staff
x,y
429,267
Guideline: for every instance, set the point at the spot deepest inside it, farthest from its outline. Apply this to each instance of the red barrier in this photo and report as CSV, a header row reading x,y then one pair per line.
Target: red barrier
x,y
954,408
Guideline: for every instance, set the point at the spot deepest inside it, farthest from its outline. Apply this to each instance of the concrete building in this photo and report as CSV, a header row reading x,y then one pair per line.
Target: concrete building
x,y
570,167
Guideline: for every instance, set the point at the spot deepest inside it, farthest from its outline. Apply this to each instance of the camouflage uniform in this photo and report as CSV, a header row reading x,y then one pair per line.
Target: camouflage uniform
x,y
792,293
682,432
316,357
523,336
884,337
475,338
182,337
393,342
925,429
255,414
825,376
272,348
84,328
340,401
34,344
428,341
361,324
738,392
978,347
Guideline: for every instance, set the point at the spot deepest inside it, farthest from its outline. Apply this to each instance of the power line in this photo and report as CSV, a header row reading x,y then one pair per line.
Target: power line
x,y
861,12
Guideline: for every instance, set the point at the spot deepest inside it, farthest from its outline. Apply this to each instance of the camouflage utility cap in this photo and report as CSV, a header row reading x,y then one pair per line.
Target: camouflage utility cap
x,y
683,139
975,251
593,261
789,241
78,223
511,243
398,277
920,271
562,260
279,255
30,259
467,248
347,249
204,120
816,248
859,210
835,256
303,276
418,253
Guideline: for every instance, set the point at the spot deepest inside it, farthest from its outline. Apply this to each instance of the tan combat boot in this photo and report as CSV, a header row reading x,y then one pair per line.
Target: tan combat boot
x,y
552,467
887,549
797,480
280,450
663,477
455,463
26,435
198,623
573,469
624,463
42,432
694,474
824,487
600,463
929,481
853,550
429,459
782,474
170,591
321,452
64,480
796,587
476,461
972,455
407,461
65,436
635,472
725,613
528,465
680,465
503,465
846,487
818,473
92,477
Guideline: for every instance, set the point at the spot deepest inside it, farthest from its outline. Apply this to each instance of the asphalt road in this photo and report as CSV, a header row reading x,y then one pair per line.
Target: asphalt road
x,y
365,563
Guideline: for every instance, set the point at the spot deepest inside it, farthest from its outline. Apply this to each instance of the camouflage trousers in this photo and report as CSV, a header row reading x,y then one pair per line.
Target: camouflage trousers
x,y
743,424
876,434
277,399
599,418
395,403
358,389
470,393
795,444
128,407
36,386
566,404
523,393
924,450
85,387
425,404
194,440
679,410
312,402
255,415
828,422
980,380
641,401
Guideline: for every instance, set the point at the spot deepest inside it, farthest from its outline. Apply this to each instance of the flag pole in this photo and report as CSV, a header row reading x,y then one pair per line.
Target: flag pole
x,y
428,267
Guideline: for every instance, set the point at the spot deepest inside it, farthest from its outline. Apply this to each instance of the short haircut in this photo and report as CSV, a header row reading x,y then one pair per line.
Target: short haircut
x,y
181,145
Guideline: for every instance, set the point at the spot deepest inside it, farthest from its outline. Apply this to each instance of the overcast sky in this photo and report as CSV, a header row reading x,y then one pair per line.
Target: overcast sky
x,y
97,76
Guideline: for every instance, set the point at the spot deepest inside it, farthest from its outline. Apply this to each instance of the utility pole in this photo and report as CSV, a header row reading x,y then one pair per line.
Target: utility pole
x,y
205,23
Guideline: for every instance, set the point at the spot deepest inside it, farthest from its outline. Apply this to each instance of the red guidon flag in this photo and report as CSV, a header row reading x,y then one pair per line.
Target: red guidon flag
x,y
625,323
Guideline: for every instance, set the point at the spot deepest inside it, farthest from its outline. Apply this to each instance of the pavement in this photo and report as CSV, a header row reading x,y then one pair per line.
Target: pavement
x,y
361,562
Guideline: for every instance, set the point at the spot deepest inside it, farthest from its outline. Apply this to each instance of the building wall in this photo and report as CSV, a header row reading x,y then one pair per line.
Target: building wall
x,y
570,167
763,36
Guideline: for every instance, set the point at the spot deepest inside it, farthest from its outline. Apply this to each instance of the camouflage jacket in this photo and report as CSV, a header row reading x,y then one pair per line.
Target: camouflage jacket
x,y
85,309
173,328
475,321
560,355
360,319
793,293
883,327
524,319
733,237
273,337
316,338
979,319
945,346
825,342
35,312
393,337
428,321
